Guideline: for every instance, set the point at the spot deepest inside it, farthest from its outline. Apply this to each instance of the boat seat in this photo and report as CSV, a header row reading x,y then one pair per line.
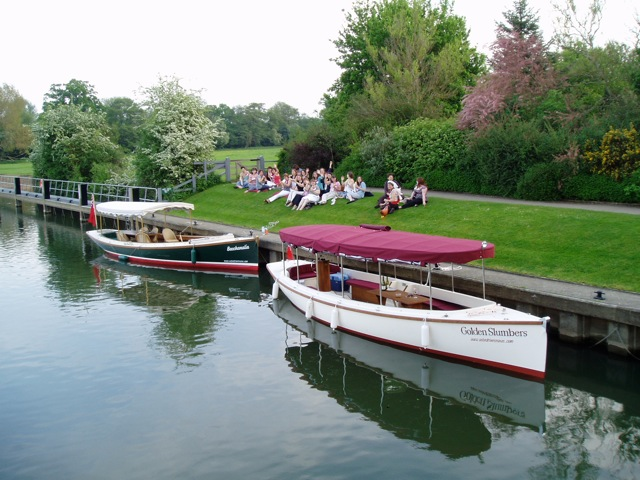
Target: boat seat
x,y
362,284
168,235
120,235
308,270
142,237
361,290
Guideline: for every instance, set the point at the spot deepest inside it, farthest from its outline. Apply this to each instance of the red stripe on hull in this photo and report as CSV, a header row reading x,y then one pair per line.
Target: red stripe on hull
x,y
171,264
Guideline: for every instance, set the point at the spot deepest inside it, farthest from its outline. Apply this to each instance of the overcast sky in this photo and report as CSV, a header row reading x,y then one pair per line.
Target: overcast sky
x,y
235,51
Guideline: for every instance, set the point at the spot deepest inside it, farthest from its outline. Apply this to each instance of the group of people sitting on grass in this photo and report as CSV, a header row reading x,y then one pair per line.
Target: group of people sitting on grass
x,y
255,180
302,188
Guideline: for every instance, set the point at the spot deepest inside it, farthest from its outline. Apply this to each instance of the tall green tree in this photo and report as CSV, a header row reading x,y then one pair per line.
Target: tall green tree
x,y
72,144
176,134
75,92
416,74
125,117
16,117
401,60
521,20
284,120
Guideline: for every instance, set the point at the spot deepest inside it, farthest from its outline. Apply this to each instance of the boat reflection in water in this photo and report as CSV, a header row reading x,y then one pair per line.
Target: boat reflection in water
x,y
188,304
132,278
450,407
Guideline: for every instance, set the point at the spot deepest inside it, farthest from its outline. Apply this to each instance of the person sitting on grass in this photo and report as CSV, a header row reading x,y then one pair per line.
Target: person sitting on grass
x,y
253,181
243,178
392,203
388,186
295,201
359,190
418,196
285,186
335,192
312,196
297,188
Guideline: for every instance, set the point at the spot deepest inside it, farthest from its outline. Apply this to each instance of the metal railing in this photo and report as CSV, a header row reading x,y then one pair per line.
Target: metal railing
x,y
79,193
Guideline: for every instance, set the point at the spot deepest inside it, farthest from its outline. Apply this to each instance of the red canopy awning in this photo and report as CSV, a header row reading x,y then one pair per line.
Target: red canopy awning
x,y
382,244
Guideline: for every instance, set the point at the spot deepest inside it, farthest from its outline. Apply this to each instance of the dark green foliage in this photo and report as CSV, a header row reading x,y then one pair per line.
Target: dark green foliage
x,y
631,186
373,153
457,180
595,188
316,147
544,181
125,117
70,144
425,146
75,92
507,150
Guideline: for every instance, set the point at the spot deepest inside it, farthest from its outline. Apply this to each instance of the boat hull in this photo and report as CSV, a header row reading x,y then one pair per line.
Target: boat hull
x,y
222,253
487,334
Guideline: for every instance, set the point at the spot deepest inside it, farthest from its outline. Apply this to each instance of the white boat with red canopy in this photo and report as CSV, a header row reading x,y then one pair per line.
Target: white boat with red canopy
x,y
413,315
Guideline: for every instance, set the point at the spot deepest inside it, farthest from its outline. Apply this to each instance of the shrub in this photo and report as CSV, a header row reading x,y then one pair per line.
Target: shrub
x,y
505,151
544,181
425,146
595,188
618,154
631,187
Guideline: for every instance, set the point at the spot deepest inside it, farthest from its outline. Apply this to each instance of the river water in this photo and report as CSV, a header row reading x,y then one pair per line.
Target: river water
x,y
112,371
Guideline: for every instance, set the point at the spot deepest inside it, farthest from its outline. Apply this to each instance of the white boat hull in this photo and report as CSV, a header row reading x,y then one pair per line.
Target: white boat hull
x,y
480,332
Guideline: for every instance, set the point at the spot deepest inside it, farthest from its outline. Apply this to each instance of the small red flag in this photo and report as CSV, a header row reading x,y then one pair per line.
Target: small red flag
x,y
92,214
289,253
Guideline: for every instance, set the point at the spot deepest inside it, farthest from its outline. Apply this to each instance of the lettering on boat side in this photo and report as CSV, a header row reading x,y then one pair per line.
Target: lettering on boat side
x,y
492,332
237,247
489,404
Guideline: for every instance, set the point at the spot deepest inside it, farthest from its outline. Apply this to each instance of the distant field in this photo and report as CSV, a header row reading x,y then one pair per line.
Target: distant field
x,y
270,154
22,169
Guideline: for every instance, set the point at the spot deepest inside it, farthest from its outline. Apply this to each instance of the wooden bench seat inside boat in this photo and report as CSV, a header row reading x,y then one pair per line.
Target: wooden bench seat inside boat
x,y
361,290
308,270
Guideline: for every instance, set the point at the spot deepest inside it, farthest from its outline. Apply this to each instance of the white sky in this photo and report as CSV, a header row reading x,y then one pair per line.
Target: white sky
x,y
236,51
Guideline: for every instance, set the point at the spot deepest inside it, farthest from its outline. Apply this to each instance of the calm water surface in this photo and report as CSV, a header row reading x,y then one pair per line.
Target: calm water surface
x,y
112,371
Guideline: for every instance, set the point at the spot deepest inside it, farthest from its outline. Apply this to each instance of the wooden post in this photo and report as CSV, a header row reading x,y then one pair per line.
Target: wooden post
x,y
227,168
83,194
324,276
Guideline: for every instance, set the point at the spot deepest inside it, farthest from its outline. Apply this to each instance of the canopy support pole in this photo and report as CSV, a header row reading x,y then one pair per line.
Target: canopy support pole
x,y
430,290
342,274
380,281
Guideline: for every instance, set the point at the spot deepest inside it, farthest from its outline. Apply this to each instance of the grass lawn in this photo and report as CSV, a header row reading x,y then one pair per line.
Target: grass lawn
x,y
593,248
18,169
269,153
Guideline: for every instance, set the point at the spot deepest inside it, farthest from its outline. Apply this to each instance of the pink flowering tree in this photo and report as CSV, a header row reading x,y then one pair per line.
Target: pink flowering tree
x,y
520,76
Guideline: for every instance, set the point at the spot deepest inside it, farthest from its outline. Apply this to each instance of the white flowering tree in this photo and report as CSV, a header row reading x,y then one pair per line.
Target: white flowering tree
x,y
175,134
